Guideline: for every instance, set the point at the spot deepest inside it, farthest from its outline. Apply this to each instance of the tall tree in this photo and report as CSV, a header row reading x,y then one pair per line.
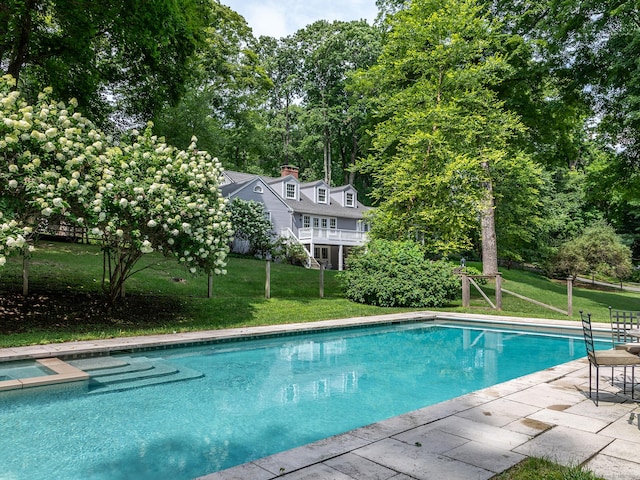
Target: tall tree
x,y
227,87
442,148
589,49
132,52
331,53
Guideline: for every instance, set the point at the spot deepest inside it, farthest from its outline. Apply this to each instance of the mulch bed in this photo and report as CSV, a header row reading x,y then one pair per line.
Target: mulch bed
x,y
78,311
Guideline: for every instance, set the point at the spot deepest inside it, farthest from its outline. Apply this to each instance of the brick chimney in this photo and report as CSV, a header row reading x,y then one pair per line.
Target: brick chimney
x,y
288,170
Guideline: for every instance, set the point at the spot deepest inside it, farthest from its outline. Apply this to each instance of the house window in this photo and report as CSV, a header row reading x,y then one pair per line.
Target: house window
x,y
350,200
316,222
258,189
324,222
322,195
291,190
333,223
363,226
306,221
321,253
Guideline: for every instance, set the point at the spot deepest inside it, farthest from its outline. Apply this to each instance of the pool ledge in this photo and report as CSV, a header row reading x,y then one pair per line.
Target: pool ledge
x,y
63,373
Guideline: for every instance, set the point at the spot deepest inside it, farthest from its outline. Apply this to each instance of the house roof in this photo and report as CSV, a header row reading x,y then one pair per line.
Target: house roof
x,y
304,205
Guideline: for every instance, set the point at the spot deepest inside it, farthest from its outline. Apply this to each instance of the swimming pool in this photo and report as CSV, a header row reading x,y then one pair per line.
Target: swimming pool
x,y
248,399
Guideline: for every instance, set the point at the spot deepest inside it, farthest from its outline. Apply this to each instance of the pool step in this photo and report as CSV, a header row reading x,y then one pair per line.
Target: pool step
x,y
115,374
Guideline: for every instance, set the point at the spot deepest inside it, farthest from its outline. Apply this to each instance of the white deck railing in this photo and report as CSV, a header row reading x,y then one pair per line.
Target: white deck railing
x,y
332,236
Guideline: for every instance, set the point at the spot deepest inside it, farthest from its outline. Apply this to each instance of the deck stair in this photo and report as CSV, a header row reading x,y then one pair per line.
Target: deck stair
x,y
116,374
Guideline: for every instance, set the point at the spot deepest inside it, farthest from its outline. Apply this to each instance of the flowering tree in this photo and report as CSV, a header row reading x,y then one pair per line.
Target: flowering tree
x,y
150,196
47,152
135,197
250,224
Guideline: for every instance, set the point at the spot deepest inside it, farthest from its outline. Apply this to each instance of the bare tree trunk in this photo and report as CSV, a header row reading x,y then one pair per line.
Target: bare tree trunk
x,y
25,274
327,157
488,229
21,46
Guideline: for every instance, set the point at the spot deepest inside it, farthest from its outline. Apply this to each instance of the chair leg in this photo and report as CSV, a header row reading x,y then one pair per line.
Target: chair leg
x,y
591,382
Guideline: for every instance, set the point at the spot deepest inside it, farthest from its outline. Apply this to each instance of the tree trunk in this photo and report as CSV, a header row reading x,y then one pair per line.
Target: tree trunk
x,y
488,228
327,157
21,47
25,274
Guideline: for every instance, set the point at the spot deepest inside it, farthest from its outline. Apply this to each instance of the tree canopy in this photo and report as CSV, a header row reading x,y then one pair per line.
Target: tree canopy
x,y
441,146
457,118
133,54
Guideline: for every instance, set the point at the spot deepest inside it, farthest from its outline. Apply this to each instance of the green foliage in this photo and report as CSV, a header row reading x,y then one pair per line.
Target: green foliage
x,y
250,224
597,251
396,274
442,143
316,121
137,52
290,252
223,98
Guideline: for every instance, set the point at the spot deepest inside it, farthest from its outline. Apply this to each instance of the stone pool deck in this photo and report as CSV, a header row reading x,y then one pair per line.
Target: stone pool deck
x,y
547,414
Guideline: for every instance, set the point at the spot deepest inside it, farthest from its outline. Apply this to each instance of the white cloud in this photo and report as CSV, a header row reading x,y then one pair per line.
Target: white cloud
x,y
279,18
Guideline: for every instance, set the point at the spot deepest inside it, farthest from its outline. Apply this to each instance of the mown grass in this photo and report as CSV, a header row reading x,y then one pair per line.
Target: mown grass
x,y
541,469
163,297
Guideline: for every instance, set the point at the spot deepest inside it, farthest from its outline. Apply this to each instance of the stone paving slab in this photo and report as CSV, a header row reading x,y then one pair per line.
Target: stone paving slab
x,y
412,460
499,412
613,468
310,454
564,445
360,468
486,456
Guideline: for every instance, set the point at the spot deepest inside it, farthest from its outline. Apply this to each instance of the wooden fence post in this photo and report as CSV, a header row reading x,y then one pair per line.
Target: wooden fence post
x,y
569,296
267,285
466,291
498,291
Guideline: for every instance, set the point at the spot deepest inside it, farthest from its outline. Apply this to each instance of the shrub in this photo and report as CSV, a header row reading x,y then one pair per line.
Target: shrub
x,y
290,252
396,274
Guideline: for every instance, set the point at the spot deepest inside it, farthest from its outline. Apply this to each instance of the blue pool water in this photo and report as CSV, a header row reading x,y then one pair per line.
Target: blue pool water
x,y
259,397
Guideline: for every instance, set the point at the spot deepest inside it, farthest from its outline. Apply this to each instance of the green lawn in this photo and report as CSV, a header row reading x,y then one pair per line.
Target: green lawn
x,y
163,297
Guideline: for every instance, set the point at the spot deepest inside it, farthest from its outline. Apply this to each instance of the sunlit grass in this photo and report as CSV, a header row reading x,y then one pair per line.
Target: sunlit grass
x,y
238,298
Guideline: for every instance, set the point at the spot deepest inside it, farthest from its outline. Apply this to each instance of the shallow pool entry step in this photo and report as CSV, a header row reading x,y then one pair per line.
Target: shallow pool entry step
x,y
46,371
116,374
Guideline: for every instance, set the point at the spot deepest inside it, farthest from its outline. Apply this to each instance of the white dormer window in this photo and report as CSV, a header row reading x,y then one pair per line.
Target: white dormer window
x,y
322,195
290,190
350,199
258,189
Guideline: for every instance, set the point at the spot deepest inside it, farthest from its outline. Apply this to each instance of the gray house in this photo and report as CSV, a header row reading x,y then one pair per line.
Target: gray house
x,y
326,221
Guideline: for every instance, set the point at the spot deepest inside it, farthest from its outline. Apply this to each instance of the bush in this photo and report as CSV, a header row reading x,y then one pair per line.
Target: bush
x,y
396,274
287,251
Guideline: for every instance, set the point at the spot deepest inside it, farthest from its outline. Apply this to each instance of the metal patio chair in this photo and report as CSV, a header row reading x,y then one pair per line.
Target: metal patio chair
x,y
623,322
606,358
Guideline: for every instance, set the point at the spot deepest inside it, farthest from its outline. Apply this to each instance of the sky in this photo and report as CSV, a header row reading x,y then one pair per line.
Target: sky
x,y
280,18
